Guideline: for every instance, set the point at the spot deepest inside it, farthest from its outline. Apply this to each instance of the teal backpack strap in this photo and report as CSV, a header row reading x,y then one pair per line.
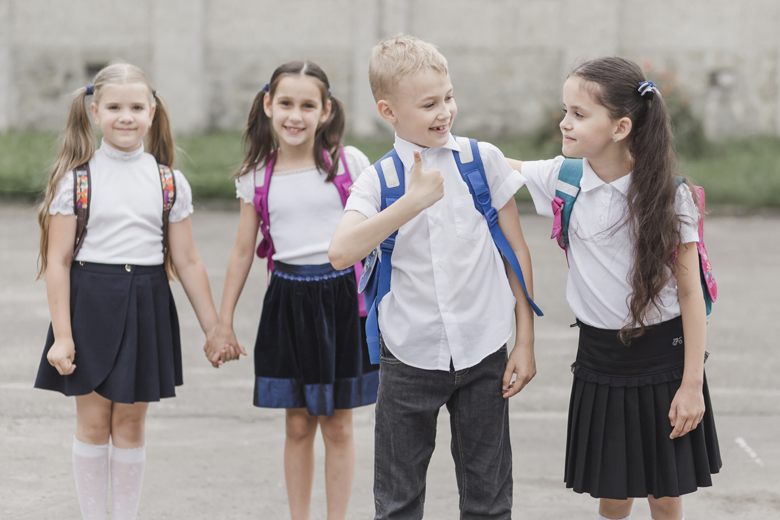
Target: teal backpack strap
x,y
566,192
375,282
473,173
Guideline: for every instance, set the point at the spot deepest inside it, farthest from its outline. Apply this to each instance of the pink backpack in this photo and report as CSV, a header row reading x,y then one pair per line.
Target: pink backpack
x,y
266,248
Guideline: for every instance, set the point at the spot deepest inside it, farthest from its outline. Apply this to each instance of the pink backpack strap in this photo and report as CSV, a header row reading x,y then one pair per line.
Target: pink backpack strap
x,y
706,266
266,248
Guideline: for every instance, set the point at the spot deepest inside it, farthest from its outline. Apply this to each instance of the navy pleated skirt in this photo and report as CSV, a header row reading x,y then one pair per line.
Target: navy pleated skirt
x,y
126,333
311,350
618,443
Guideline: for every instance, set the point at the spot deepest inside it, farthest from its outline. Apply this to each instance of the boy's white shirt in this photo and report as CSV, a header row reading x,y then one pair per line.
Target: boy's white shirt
x,y
600,253
449,297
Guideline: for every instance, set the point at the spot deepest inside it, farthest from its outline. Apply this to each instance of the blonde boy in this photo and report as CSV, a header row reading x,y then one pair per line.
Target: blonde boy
x,y
446,320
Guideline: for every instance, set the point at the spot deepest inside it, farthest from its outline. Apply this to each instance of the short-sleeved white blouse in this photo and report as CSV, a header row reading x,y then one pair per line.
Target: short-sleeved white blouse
x,y
303,208
600,250
125,214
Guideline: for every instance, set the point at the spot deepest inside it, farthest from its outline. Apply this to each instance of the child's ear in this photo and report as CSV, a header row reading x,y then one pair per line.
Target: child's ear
x,y
267,106
94,109
386,111
622,128
326,112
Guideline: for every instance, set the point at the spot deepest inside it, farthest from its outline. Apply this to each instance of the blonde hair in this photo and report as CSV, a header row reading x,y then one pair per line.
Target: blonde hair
x,y
399,56
77,142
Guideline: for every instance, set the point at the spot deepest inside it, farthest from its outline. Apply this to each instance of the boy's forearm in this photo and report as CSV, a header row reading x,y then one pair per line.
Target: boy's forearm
x,y
509,221
356,236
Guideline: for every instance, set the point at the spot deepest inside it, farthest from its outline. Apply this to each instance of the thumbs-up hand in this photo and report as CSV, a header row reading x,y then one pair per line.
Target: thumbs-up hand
x,y
425,187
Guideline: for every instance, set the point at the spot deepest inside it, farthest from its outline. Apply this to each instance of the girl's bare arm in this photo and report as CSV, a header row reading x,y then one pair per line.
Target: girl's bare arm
x,y
687,407
62,235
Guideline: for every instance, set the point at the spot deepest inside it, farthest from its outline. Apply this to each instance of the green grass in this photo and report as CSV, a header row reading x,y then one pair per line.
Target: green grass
x,y
744,172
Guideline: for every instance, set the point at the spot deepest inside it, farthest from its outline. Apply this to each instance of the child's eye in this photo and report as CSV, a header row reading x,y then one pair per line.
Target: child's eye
x,y
578,115
285,103
429,105
565,111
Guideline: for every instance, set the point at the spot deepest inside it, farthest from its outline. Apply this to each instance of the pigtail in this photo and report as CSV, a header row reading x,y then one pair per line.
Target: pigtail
x,y
328,138
77,146
161,144
259,139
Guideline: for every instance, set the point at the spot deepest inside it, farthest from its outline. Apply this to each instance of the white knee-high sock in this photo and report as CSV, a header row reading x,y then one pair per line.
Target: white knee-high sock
x,y
90,467
127,477
605,518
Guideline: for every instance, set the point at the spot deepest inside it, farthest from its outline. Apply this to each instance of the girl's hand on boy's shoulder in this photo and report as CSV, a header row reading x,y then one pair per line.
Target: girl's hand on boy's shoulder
x,y
687,409
521,363
61,356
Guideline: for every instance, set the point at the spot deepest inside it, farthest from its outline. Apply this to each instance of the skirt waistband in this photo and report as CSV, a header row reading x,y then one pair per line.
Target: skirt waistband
x,y
117,268
308,273
659,349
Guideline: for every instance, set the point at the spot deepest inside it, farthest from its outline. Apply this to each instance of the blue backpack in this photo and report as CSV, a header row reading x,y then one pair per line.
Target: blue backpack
x,y
375,282
566,192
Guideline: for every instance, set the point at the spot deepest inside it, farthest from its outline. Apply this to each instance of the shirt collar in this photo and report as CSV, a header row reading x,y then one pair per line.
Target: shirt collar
x,y
118,155
592,181
406,149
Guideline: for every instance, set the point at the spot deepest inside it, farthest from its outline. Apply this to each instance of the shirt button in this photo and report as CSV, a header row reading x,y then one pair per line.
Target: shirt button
x,y
603,202
440,264
601,219
605,189
434,220
127,268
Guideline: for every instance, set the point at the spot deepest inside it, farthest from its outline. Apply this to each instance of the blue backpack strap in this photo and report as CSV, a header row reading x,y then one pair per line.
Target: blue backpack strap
x,y
390,170
567,189
473,172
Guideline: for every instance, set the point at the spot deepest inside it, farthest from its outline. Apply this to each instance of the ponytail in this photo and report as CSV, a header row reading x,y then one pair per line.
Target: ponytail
x,y
654,225
77,146
160,135
259,139
328,138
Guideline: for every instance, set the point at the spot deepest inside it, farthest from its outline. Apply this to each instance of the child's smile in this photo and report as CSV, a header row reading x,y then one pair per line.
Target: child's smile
x,y
124,113
296,110
424,108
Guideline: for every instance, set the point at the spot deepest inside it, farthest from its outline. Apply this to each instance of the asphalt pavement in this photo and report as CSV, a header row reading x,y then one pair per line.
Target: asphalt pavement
x,y
212,455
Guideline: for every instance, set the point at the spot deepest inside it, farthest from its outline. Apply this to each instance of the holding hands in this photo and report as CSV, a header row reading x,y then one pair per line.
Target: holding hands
x,y
222,345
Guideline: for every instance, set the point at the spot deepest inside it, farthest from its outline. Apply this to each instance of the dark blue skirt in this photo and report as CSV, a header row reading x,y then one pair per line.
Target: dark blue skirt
x,y
618,443
311,350
126,333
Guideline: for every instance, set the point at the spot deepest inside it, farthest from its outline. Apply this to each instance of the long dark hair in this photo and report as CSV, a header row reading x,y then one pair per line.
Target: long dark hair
x,y
653,222
259,139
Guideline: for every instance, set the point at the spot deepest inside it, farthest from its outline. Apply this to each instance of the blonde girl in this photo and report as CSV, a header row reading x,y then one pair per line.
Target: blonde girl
x,y
113,342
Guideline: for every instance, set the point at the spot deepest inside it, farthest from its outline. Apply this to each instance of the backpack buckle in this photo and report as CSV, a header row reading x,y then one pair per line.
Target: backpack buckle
x,y
492,216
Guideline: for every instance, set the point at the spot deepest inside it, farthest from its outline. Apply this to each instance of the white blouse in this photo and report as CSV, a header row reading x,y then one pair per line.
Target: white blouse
x,y
125,214
303,208
600,251
449,296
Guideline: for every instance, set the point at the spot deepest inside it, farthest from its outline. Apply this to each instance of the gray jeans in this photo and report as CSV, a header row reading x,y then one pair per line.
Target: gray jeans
x,y
407,406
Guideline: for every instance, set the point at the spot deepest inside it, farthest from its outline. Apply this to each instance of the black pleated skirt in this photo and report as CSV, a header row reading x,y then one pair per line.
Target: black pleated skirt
x,y
126,333
618,443
311,350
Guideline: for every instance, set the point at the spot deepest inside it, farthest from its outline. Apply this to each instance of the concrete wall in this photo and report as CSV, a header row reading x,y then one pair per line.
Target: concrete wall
x,y
508,58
